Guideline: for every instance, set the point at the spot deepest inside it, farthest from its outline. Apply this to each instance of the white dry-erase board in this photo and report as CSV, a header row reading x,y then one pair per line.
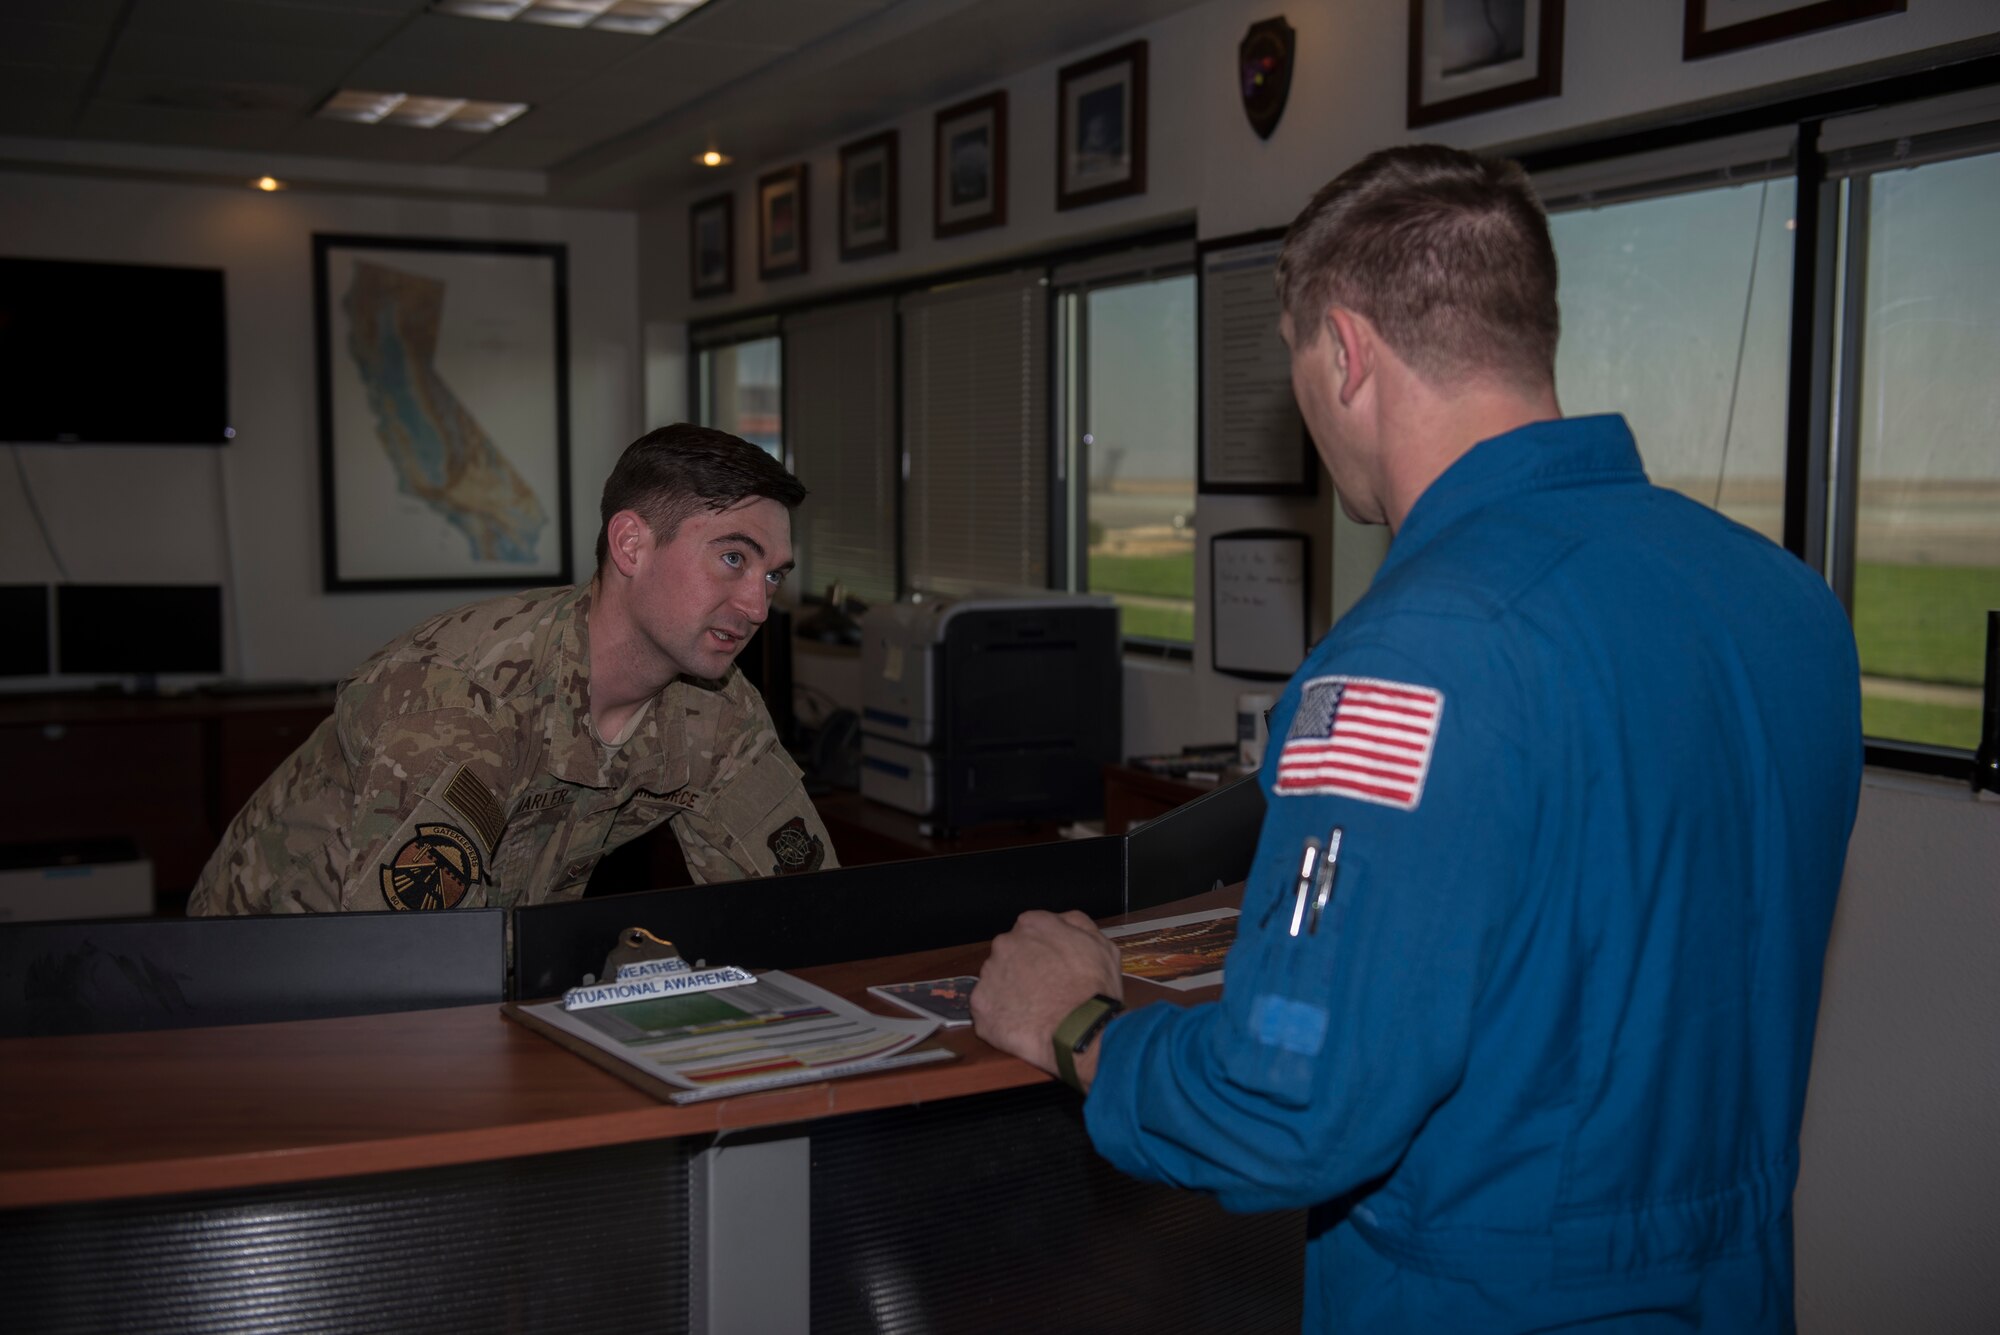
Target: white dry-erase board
x,y
1259,592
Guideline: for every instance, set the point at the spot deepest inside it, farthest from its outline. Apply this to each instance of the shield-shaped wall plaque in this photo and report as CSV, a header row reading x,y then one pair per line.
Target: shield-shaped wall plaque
x,y
1264,60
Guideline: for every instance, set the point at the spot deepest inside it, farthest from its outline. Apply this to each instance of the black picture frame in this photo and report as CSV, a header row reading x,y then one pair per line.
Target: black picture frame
x,y
1246,259
870,202
712,246
1101,127
1459,68
1702,36
784,237
1253,640
969,154
387,312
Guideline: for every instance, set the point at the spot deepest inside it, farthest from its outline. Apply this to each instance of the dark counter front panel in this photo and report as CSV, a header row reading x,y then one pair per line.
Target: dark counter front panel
x,y
592,1240
995,1214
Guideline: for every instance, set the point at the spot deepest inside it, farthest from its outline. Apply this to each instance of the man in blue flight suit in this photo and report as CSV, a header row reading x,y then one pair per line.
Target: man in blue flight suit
x,y
1532,1043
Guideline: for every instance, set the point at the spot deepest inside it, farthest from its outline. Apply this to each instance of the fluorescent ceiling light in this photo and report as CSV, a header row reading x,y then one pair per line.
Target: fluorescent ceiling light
x,y
424,112
640,17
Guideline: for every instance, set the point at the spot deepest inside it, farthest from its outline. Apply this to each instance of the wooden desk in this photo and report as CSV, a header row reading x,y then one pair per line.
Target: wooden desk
x,y
1135,795
353,1173
866,831
166,772
249,1105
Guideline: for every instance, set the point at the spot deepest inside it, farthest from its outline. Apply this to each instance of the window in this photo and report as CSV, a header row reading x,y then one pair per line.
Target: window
x,y
1919,498
738,386
1130,415
1676,312
976,436
1680,276
841,403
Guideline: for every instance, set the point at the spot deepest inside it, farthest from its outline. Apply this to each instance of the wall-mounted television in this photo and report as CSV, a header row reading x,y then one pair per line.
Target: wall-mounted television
x,y
129,354
24,645
142,630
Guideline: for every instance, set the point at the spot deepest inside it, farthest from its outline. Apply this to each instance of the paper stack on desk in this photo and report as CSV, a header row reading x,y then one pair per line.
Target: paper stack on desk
x,y
777,1031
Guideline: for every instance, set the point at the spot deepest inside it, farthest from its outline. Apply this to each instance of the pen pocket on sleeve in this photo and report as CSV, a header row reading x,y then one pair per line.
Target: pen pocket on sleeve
x,y
1289,1016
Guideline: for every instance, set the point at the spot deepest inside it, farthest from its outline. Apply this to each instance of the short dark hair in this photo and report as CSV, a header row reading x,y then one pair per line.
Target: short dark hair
x,y
1446,253
669,474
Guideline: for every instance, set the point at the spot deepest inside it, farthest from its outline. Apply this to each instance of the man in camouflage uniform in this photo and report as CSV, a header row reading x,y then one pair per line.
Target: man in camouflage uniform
x,y
494,754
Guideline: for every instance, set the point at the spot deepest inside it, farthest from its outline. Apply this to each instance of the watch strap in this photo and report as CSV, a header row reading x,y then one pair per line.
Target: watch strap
x,y
1077,1030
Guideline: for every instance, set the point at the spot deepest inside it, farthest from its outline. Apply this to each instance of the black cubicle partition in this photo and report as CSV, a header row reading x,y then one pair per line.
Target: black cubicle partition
x,y
110,975
1189,849
851,913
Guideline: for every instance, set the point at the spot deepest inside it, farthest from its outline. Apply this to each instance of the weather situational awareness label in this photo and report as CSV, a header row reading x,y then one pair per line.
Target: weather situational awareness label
x,y
659,985
664,968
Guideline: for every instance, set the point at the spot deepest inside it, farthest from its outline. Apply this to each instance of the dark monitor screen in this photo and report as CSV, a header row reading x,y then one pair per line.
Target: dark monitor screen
x,y
766,663
24,644
138,629
112,353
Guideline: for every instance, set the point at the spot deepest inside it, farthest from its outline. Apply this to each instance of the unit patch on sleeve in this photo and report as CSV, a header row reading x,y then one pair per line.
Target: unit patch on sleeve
x,y
1363,738
797,848
433,870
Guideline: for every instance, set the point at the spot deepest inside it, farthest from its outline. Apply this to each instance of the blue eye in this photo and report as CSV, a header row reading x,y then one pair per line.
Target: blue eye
x,y
775,578
734,560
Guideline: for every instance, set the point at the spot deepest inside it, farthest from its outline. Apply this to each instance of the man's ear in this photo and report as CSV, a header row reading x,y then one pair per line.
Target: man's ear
x,y
628,540
1353,351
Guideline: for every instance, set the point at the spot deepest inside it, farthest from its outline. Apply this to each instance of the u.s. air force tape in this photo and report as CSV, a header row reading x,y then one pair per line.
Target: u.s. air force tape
x,y
645,989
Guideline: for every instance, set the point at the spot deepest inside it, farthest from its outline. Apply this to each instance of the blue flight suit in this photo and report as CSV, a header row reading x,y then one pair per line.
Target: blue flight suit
x,y
1543,1062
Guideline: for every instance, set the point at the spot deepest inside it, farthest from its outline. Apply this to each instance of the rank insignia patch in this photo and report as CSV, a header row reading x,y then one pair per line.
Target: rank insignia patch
x,y
797,848
1362,738
433,870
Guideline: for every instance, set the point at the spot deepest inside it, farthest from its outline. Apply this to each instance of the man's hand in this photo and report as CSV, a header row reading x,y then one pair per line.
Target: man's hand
x,y
1035,975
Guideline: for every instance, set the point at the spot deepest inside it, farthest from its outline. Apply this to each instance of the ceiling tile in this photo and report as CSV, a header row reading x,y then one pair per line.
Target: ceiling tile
x,y
376,143
139,54
355,27
23,112
73,45
792,23
526,152
94,12
502,62
172,125
208,95
671,76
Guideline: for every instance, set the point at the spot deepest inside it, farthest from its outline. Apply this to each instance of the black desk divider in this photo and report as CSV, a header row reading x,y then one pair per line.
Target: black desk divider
x,y
110,975
851,913
1187,850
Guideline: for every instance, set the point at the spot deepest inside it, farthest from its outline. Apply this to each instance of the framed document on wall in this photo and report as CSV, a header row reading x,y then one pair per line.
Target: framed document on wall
x,y
1252,437
1260,597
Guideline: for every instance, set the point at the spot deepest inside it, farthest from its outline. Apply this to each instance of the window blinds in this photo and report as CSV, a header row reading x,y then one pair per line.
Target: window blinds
x,y
840,426
976,435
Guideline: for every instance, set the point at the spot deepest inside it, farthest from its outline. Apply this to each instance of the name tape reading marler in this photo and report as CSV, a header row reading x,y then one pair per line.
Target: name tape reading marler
x,y
643,989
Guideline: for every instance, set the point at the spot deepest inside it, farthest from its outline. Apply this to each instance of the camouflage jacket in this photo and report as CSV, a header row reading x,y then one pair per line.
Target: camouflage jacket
x,y
460,768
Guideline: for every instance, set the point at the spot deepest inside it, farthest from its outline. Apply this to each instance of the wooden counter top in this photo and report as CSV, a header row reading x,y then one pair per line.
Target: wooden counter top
x,y
114,1116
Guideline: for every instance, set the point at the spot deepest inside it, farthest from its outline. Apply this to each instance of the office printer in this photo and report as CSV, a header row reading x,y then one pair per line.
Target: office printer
x,y
983,709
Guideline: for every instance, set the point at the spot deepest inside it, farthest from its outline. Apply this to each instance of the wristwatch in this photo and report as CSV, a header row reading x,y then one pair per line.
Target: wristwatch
x,y
1076,1032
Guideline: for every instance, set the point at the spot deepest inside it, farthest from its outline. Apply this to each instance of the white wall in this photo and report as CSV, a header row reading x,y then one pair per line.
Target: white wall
x,y
158,514
1622,60
1898,1228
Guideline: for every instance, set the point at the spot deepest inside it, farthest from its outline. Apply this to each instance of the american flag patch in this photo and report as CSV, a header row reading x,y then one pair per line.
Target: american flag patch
x,y
1359,737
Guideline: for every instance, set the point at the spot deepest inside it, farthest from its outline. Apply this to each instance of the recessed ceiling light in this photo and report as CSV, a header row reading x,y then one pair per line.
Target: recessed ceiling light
x,y
713,159
268,183
641,18
424,112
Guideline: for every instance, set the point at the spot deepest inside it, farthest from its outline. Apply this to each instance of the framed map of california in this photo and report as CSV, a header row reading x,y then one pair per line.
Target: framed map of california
x,y
444,412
